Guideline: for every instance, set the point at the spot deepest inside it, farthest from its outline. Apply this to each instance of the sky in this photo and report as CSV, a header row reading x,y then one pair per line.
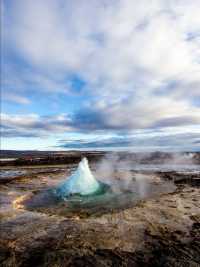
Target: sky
x,y
109,74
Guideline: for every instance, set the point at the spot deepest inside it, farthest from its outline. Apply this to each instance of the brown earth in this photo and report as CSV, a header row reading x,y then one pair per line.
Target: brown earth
x,y
163,231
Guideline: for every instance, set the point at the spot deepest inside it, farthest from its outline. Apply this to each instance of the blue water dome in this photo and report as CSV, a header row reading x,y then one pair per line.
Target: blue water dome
x,y
81,182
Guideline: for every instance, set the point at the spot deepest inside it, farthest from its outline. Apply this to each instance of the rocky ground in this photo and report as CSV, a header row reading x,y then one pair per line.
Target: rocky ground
x,y
160,231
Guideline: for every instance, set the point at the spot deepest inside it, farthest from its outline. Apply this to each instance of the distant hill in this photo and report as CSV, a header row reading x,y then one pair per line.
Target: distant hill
x,y
35,157
38,153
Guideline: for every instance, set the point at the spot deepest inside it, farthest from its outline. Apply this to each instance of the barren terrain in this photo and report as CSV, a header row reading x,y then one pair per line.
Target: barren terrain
x,y
161,229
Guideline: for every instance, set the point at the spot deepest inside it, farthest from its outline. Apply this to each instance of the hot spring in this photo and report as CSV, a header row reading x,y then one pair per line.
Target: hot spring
x,y
82,194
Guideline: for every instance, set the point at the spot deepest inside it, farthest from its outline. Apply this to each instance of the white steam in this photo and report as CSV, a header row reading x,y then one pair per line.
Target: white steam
x,y
117,173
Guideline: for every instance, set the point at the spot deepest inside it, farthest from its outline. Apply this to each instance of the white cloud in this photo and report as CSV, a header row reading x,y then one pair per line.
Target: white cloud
x,y
141,113
33,125
16,98
125,50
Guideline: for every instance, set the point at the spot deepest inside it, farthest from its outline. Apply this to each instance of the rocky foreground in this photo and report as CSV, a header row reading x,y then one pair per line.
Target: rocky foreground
x,y
160,231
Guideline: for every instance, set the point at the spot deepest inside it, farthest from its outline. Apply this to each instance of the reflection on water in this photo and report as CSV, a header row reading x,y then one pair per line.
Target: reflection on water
x,y
11,173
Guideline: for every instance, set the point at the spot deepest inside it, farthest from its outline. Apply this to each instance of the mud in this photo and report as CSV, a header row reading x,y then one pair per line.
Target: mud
x,y
160,230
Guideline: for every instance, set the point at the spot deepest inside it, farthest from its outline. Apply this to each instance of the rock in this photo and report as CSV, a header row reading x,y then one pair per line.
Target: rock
x,y
162,231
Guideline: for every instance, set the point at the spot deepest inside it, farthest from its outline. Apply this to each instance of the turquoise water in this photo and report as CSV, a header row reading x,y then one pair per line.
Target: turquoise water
x,y
104,201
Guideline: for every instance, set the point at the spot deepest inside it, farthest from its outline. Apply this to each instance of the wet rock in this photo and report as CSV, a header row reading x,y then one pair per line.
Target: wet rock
x,y
162,231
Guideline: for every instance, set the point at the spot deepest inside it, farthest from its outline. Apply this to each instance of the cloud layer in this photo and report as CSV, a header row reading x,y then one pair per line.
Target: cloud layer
x,y
133,64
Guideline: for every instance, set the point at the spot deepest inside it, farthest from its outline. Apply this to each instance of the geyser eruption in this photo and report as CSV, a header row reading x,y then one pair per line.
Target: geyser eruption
x,y
82,194
81,182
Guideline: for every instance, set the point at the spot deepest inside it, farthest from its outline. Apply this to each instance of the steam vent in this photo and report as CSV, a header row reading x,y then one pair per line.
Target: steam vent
x,y
81,182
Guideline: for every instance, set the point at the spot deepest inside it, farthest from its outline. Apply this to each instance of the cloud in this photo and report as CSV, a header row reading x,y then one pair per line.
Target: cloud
x,y
108,120
139,62
150,139
32,125
166,142
11,97
136,113
12,133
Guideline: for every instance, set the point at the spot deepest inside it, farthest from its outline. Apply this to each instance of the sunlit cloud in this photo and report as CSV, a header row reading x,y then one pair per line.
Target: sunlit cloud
x,y
110,66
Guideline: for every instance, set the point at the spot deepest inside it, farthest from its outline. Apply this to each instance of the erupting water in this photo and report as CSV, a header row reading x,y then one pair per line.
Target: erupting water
x,y
83,195
81,182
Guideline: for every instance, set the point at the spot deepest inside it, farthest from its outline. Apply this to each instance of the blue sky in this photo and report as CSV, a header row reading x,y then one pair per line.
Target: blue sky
x,y
100,74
